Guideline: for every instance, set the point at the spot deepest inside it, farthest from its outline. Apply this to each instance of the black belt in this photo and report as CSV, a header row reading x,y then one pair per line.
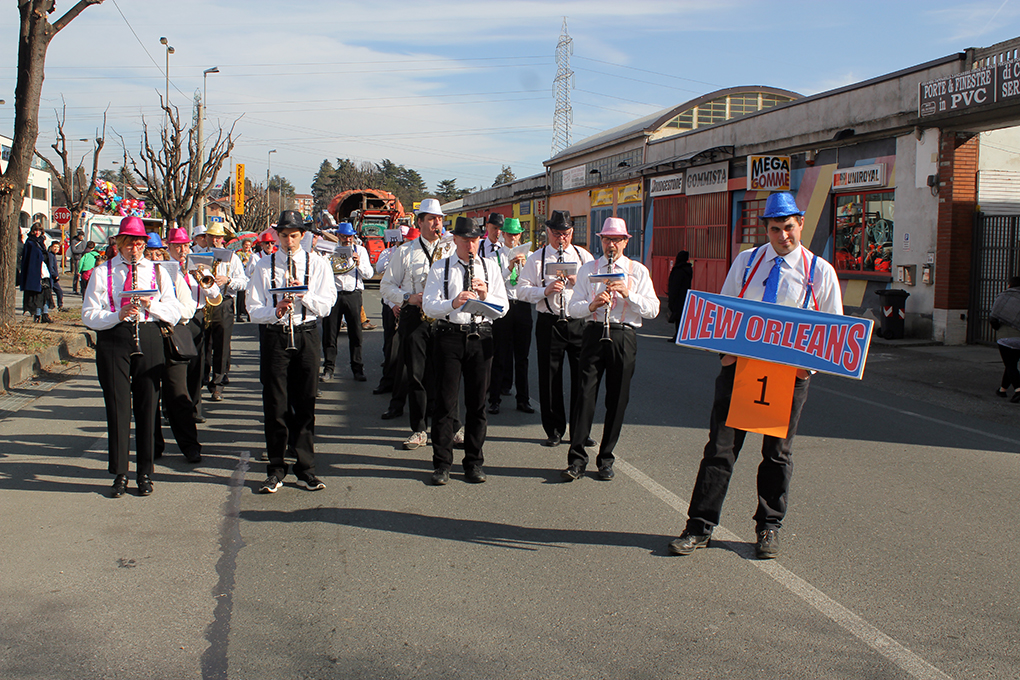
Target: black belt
x,y
612,325
447,327
341,292
298,327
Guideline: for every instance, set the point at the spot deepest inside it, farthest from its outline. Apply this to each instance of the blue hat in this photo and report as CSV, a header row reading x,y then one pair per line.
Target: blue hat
x,y
154,241
345,229
781,204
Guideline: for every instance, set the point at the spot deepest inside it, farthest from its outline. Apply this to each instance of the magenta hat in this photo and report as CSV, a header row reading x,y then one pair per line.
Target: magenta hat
x,y
614,226
178,235
132,226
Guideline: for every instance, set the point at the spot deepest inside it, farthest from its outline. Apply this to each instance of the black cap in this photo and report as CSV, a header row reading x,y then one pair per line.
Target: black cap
x,y
560,220
495,218
466,227
290,219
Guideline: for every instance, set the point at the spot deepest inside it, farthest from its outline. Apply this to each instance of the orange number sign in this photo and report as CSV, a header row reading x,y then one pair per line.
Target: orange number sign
x,y
762,397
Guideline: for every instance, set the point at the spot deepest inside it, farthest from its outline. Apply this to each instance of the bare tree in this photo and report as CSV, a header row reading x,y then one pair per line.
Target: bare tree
x,y
174,182
33,41
75,202
256,211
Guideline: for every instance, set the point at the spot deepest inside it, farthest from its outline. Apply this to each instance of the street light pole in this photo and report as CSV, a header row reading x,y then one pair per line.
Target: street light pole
x,y
269,160
201,139
169,51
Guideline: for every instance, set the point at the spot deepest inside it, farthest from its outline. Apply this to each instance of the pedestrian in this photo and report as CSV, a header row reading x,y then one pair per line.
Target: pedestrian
x,y
78,245
511,333
1005,320
463,348
129,349
791,276
289,350
556,333
89,259
53,264
230,277
613,312
36,278
680,278
349,274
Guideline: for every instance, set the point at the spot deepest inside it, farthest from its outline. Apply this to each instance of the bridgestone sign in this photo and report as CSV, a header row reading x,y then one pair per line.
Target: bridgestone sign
x,y
969,90
666,185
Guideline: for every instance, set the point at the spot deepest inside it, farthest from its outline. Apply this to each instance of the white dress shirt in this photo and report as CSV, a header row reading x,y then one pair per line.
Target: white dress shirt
x,y
408,269
233,269
314,304
355,279
533,281
438,299
487,248
96,310
641,302
793,289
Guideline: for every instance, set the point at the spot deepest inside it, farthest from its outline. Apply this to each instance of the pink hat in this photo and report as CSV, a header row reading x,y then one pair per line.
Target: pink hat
x,y
614,226
132,226
178,235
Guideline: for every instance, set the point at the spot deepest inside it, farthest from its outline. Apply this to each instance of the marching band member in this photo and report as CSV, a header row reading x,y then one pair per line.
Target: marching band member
x,y
350,282
393,379
230,278
556,333
490,245
289,350
463,348
129,349
613,312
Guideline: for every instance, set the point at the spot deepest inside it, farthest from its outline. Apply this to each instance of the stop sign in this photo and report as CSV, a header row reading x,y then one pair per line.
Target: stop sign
x,y
61,215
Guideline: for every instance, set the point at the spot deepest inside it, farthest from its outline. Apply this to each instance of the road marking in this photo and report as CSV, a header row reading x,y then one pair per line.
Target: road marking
x,y
835,612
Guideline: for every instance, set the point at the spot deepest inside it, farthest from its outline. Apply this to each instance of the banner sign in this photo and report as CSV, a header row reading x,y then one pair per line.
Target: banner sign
x,y
768,173
239,189
708,179
804,338
630,193
574,178
601,197
970,89
666,185
859,177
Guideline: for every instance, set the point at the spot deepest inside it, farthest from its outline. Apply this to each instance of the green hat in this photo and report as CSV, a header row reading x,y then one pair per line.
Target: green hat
x,y
512,225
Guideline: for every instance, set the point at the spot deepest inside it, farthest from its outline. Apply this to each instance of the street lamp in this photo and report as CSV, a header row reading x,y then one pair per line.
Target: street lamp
x,y
205,74
169,51
269,160
201,140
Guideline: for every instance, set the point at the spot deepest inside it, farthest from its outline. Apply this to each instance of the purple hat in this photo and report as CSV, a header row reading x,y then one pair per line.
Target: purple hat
x,y
132,226
614,227
178,235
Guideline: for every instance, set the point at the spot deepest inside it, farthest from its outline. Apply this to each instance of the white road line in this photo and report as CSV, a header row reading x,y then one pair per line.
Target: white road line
x,y
837,613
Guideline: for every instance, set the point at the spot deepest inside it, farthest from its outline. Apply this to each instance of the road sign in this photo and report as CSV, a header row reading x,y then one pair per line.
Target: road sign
x,y
61,215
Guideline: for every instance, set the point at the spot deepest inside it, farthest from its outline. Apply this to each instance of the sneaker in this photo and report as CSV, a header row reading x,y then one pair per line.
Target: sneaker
x,y
311,482
271,485
767,546
217,394
458,438
416,440
327,375
688,543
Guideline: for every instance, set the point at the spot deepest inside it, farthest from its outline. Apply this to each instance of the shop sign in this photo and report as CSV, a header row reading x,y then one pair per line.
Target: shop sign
x,y
573,178
630,193
859,177
239,189
540,207
971,89
601,197
524,208
708,179
666,185
768,173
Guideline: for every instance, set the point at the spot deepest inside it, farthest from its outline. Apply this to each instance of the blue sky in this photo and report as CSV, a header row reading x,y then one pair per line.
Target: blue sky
x,y
458,89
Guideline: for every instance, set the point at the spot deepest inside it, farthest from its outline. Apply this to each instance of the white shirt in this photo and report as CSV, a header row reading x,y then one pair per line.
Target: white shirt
x,y
407,270
232,269
96,310
199,295
438,299
384,258
487,248
316,303
793,280
354,279
640,303
533,281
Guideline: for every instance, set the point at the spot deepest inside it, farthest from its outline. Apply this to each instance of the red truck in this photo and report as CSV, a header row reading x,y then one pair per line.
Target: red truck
x,y
371,211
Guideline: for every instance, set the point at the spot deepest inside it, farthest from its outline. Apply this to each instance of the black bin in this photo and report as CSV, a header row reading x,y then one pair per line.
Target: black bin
x,y
894,301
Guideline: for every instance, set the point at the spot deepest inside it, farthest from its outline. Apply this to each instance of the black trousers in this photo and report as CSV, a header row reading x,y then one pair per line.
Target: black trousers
x,y
221,327
511,336
196,367
130,383
553,340
75,260
724,444
290,380
616,360
392,366
348,307
458,356
416,347
1010,374
176,396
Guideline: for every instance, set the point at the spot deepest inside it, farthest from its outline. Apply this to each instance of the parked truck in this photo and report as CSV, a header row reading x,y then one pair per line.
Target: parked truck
x,y
372,212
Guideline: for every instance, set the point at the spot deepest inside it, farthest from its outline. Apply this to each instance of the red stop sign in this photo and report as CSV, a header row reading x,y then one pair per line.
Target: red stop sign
x,y
61,215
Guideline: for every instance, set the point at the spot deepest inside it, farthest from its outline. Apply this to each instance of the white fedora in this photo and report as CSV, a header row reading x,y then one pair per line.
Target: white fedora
x,y
430,206
614,226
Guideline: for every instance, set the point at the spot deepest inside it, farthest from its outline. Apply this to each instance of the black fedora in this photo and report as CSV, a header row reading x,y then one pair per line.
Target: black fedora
x,y
290,219
466,227
495,218
560,220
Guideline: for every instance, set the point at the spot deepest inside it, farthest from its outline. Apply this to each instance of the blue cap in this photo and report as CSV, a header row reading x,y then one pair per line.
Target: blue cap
x,y
781,204
345,229
154,241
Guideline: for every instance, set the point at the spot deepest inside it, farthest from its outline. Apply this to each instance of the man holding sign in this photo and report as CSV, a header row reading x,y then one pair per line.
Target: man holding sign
x,y
780,272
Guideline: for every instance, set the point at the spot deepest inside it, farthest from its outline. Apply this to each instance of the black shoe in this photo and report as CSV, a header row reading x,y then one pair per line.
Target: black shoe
x,y
382,390
606,473
553,440
359,376
46,318
144,486
327,375
474,475
526,408
589,442
311,483
441,477
193,455
392,413
506,393
688,543
493,408
199,419
271,485
767,546
1015,399
1001,393
119,487
226,380
572,472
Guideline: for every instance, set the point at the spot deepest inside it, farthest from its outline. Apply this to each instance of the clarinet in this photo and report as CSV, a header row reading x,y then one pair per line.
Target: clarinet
x,y
605,324
134,286
473,329
559,260
291,276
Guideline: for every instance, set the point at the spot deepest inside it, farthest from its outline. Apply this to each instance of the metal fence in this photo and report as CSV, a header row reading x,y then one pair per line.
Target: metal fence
x,y
996,259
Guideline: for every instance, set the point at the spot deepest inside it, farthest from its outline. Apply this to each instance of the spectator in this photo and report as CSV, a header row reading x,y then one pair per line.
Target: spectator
x,y
53,263
680,278
1005,319
35,275
77,250
89,260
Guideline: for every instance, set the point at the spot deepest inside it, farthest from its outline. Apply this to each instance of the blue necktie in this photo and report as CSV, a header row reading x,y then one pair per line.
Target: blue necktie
x,y
772,282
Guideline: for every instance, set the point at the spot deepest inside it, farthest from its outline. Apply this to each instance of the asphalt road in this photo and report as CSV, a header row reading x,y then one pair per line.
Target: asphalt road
x,y
899,549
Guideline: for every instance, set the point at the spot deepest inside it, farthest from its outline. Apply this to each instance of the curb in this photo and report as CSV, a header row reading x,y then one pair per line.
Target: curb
x,y
29,365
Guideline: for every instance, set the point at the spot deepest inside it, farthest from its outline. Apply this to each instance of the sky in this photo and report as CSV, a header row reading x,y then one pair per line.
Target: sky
x,y
455,90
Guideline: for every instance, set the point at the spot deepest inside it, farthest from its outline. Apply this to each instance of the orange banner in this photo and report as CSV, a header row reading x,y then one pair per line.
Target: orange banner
x,y
239,189
762,397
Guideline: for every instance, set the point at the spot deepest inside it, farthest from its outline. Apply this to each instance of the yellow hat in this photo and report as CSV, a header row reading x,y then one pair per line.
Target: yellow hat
x,y
215,230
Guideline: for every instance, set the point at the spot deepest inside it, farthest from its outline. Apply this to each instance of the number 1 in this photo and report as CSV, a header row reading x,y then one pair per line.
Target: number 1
x,y
764,380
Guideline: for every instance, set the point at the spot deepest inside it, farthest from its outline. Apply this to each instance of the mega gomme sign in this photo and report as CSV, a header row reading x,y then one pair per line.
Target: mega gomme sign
x,y
768,173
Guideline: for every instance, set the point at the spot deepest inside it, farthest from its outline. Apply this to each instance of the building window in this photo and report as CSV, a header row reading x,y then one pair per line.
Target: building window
x,y
580,223
863,232
752,226
38,193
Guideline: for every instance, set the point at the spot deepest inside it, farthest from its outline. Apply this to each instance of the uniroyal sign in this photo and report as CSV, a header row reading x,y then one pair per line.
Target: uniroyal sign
x,y
768,173
859,177
707,179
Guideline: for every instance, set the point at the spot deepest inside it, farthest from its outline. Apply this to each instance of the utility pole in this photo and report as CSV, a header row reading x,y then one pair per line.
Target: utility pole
x,y
200,214
269,207
564,116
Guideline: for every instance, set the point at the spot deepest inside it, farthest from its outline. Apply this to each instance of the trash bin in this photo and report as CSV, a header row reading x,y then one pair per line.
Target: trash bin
x,y
894,301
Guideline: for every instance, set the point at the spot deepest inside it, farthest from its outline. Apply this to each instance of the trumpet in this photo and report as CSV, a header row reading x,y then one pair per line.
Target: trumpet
x,y
559,260
605,324
470,283
134,299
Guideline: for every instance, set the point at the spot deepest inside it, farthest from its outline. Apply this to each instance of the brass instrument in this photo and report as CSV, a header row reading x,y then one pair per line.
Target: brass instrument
x,y
605,325
342,263
559,260
134,286
291,277
473,329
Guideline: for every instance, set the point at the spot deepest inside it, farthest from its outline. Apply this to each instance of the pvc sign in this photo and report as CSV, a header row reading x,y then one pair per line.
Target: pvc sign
x,y
768,173
830,343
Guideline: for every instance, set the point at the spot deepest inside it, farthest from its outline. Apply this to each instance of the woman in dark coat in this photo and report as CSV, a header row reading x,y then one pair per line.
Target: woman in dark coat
x,y
680,278
35,275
